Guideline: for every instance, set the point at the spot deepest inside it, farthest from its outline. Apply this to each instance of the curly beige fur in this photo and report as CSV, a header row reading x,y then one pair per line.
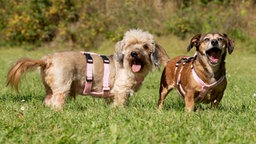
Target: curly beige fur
x,y
64,73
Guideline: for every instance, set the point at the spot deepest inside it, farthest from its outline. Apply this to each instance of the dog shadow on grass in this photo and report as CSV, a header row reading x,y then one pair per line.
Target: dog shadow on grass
x,y
172,103
15,97
175,103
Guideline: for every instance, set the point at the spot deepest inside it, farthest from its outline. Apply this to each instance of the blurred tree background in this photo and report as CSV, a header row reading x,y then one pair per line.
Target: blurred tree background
x,y
87,23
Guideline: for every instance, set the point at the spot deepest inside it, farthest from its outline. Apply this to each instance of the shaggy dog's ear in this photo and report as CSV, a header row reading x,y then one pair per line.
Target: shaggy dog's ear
x,y
194,42
230,43
119,52
159,56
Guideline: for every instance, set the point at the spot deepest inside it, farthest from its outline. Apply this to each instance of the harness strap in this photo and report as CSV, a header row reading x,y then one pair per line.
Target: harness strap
x,y
89,74
205,87
106,87
185,60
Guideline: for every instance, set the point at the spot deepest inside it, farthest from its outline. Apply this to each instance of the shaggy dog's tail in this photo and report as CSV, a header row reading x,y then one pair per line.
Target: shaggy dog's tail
x,y
20,68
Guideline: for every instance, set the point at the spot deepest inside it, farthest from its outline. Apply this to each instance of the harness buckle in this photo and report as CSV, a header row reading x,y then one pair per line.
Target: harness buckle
x,y
89,78
178,82
89,61
88,57
105,59
106,89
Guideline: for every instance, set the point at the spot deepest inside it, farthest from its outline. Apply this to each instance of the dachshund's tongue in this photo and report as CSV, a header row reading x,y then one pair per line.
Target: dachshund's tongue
x,y
214,60
214,56
136,67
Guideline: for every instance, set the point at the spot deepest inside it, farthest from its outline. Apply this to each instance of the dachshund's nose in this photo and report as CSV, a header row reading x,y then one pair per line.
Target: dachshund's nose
x,y
134,54
214,42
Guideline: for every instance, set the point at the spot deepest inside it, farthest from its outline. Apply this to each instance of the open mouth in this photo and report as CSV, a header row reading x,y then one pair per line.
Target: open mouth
x,y
137,65
213,55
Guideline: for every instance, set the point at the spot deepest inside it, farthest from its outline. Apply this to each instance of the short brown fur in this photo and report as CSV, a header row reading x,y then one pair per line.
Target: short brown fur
x,y
208,71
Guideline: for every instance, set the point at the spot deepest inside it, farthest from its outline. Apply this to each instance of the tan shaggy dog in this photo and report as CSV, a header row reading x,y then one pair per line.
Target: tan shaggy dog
x,y
200,78
66,73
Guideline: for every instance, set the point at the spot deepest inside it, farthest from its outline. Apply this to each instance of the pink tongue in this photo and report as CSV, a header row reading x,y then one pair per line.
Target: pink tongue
x,y
214,57
136,68
213,60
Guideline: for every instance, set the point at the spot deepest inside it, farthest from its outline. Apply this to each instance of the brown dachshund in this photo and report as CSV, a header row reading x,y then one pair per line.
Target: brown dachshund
x,y
200,78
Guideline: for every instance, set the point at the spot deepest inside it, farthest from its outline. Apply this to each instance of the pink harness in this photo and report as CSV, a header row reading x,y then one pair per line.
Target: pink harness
x,y
89,76
205,87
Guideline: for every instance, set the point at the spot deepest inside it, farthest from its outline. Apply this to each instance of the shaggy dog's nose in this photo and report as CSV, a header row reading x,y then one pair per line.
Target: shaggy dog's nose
x,y
134,54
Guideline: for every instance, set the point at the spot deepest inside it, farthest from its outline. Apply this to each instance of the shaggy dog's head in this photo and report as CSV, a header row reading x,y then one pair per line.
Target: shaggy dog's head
x,y
137,51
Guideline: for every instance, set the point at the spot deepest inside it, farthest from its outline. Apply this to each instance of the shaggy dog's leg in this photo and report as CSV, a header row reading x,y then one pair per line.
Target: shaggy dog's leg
x,y
121,99
58,99
58,86
47,99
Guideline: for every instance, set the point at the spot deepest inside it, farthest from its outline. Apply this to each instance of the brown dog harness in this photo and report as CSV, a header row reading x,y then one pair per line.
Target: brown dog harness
x,y
89,76
205,87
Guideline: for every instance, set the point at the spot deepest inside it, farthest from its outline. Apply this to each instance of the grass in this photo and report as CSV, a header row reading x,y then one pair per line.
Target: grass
x,y
24,119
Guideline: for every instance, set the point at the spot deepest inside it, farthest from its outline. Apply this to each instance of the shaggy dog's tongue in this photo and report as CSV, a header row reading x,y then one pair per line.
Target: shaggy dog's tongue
x,y
136,67
214,56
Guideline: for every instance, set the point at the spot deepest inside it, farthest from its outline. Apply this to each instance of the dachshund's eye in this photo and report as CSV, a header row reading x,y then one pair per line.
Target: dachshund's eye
x,y
207,39
220,39
145,46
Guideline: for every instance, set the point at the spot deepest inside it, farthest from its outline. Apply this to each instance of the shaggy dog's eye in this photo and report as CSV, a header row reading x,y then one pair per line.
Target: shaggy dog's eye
x,y
145,46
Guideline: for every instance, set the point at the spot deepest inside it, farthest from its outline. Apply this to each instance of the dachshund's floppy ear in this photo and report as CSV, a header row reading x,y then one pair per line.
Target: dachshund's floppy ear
x,y
159,56
194,42
230,43
119,52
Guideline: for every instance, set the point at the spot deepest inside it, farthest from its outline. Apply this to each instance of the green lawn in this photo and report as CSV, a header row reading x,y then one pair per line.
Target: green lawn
x,y
24,119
